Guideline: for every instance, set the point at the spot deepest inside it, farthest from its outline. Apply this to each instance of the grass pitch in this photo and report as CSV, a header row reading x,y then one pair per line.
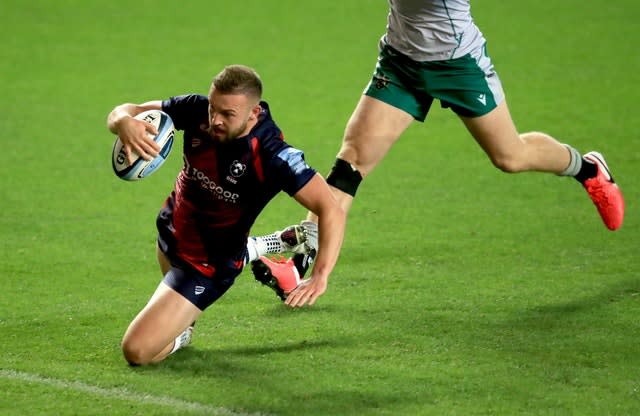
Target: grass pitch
x,y
460,290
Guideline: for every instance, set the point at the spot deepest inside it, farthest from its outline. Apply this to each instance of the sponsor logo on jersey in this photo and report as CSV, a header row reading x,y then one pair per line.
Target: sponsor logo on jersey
x,y
209,184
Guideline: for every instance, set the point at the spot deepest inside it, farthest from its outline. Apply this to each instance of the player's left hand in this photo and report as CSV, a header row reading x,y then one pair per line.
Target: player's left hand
x,y
307,292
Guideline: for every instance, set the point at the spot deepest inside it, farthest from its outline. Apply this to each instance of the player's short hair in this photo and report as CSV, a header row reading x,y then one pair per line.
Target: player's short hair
x,y
238,79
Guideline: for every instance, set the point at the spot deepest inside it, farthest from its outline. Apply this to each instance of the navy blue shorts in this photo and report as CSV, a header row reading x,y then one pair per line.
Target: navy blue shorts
x,y
200,290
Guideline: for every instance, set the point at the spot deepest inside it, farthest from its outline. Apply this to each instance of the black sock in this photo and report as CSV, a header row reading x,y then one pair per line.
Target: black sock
x,y
303,262
587,171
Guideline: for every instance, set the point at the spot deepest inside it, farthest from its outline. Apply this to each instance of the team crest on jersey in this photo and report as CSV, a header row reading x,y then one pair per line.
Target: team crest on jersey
x,y
237,169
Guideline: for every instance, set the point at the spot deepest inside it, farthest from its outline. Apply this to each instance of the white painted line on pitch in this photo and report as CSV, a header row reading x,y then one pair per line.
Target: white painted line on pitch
x,y
123,394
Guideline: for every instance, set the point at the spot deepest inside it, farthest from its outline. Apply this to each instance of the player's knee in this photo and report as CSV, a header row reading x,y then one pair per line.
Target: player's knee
x,y
505,164
135,353
344,177
508,162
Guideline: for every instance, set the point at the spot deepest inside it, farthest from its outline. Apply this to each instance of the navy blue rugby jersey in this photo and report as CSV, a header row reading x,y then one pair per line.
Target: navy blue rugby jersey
x,y
222,187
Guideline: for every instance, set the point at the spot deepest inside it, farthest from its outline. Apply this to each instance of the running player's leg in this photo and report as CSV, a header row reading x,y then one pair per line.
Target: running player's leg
x,y
383,113
372,130
535,151
493,129
512,152
386,109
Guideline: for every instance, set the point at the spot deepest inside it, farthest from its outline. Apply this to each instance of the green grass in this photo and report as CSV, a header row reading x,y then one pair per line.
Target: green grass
x,y
460,290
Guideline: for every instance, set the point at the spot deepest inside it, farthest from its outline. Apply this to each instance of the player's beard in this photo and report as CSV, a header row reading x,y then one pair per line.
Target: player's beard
x,y
223,135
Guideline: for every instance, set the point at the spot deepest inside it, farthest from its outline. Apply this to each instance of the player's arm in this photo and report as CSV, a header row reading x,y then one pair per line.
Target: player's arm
x,y
317,197
133,132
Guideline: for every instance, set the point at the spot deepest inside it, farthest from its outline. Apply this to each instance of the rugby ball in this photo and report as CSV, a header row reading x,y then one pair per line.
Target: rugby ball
x,y
141,168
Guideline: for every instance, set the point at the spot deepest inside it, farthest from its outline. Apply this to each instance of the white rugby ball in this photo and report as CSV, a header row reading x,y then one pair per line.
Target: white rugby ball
x,y
141,168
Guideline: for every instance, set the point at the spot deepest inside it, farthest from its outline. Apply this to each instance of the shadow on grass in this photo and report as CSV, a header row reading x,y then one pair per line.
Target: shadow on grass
x,y
344,373
283,378
214,359
592,331
262,350
586,305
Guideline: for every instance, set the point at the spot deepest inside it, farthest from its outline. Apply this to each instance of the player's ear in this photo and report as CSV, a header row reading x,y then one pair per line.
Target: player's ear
x,y
255,112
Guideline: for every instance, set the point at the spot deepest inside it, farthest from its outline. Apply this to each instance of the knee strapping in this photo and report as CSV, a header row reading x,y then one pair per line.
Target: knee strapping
x,y
344,177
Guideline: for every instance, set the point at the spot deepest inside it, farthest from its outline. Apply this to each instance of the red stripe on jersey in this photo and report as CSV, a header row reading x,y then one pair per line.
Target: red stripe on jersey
x,y
257,162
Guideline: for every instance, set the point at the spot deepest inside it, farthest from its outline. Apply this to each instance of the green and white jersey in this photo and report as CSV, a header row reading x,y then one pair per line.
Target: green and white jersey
x,y
432,30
